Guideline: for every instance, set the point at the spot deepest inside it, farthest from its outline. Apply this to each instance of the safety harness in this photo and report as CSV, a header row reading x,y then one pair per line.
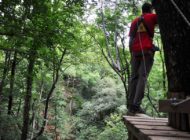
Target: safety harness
x,y
141,22
141,26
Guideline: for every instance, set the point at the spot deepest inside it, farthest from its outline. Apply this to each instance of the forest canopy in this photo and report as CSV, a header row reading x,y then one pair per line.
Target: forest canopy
x,y
65,68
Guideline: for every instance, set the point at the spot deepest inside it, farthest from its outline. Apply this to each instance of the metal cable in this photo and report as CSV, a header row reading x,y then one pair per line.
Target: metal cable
x,y
180,12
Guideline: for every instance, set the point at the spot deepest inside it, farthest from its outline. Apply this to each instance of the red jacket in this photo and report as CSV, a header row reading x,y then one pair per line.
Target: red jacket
x,y
142,39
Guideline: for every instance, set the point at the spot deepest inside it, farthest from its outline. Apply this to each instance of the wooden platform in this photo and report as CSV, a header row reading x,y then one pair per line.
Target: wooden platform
x,y
148,128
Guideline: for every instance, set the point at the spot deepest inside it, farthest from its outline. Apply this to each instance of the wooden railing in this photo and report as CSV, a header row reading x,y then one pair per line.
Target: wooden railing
x,y
179,112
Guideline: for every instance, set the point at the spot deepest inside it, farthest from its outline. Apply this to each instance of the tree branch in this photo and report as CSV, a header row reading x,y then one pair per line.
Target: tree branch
x,y
106,36
49,95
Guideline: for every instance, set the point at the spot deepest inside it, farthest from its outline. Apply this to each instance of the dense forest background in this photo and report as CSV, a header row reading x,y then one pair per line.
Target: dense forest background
x,y
64,69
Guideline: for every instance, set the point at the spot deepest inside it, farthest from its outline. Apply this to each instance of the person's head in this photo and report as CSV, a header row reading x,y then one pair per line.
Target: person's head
x,y
147,8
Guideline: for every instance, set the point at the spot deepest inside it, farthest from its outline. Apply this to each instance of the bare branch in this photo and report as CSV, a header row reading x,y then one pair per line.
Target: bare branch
x,y
106,36
126,67
118,59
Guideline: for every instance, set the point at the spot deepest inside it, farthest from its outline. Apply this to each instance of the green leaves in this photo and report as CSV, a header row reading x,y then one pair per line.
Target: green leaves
x,y
114,129
88,94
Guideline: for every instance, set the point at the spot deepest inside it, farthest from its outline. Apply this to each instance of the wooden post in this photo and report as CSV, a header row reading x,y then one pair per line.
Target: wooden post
x,y
178,108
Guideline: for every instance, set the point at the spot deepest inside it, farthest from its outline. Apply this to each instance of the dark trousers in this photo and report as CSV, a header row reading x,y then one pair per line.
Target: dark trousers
x,y
140,68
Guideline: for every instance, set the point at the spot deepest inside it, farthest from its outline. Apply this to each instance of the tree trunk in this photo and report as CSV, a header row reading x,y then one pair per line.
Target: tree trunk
x,y
28,95
12,79
5,71
176,42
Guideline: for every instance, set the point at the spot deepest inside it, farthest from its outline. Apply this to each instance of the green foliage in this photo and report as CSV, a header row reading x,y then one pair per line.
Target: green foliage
x,y
107,99
89,97
114,129
43,138
104,102
9,127
90,133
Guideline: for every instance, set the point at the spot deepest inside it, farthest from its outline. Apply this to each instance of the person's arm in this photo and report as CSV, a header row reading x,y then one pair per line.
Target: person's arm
x,y
130,43
131,37
155,19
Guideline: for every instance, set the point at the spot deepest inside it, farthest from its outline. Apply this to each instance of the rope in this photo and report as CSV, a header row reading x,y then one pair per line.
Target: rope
x,y
180,12
144,63
146,74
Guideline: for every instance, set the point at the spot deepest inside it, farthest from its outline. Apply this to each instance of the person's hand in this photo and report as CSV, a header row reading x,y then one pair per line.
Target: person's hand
x,y
155,48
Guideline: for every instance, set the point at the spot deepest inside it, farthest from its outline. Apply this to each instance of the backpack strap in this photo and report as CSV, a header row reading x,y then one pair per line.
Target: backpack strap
x,y
147,29
133,34
141,20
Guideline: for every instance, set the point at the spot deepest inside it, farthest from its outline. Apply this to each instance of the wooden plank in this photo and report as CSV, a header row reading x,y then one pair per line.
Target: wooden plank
x,y
144,128
184,122
135,132
149,123
142,121
168,106
131,137
174,120
164,119
177,121
142,115
151,118
166,133
166,138
169,119
148,127
146,120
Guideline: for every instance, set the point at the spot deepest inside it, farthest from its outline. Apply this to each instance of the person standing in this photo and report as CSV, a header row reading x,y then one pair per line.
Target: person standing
x,y
142,56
